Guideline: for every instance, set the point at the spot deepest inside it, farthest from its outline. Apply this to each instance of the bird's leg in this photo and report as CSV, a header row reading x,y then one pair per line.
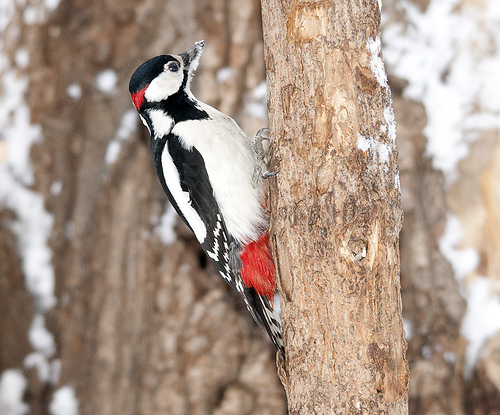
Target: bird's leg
x,y
261,165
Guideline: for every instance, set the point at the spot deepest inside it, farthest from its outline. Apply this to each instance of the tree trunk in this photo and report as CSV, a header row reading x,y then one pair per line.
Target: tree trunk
x,y
336,208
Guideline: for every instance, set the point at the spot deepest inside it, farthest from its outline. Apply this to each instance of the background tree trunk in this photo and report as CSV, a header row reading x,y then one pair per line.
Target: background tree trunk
x,y
103,309
142,324
336,207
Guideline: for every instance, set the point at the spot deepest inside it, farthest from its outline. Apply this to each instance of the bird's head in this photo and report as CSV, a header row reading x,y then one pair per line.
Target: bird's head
x,y
162,76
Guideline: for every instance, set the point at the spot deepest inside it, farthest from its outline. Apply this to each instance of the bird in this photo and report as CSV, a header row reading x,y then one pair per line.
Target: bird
x,y
213,175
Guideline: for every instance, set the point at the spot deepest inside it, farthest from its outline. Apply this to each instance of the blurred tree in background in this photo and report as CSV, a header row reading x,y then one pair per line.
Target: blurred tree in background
x,y
107,303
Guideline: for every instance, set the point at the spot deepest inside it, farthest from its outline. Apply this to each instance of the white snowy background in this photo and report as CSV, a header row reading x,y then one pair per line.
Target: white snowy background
x,y
450,56
462,43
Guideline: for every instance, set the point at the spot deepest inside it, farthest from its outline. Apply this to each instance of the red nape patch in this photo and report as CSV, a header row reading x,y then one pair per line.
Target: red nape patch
x,y
258,268
138,97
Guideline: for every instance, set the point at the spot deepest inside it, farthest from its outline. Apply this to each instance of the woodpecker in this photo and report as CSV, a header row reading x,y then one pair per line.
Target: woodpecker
x,y
213,175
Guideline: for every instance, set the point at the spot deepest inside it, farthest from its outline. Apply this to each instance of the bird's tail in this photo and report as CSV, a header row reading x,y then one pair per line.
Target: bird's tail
x,y
262,309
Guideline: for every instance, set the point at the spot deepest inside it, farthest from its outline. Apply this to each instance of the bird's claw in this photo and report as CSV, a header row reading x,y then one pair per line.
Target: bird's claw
x,y
260,170
263,134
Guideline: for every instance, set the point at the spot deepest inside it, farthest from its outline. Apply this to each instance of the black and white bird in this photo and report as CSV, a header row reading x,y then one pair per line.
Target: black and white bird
x,y
212,175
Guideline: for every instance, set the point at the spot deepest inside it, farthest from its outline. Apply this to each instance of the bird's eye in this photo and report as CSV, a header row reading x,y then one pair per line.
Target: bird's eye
x,y
173,66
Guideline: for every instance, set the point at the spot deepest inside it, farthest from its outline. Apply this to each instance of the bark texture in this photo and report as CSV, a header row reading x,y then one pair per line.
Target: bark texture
x,y
336,207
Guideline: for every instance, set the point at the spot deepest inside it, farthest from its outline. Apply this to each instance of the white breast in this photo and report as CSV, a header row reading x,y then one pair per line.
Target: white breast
x,y
230,160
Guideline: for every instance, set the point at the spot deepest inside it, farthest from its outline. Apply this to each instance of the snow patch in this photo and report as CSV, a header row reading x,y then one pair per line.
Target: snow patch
x,y
74,91
105,81
256,102
408,326
128,125
391,123
6,12
481,320
450,56
260,91
56,187
225,74
37,13
51,5
33,224
15,122
47,371
376,62
464,261
22,58
12,387
40,338
64,402
34,15
376,148
363,143
165,228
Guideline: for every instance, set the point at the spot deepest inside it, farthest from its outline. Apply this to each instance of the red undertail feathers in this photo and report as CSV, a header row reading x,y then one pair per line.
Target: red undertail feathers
x,y
258,268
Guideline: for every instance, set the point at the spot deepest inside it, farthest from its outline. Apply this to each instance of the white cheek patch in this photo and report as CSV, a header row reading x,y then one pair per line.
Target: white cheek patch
x,y
162,123
164,85
181,197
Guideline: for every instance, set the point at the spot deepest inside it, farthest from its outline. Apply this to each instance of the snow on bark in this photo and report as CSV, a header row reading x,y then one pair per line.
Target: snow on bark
x,y
64,402
12,387
128,125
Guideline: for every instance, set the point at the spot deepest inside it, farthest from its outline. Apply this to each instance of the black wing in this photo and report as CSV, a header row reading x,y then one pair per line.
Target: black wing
x,y
193,176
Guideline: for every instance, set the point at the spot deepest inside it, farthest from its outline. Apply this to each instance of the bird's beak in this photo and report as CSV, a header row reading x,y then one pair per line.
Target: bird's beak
x,y
191,56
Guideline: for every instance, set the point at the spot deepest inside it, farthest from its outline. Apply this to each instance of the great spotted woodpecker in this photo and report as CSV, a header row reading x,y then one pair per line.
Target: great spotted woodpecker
x,y
212,175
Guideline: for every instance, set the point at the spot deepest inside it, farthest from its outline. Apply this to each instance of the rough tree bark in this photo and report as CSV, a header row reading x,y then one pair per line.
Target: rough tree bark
x,y
336,207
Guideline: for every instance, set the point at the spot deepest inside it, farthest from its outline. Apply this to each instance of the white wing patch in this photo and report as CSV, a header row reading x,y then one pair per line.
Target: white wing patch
x,y
182,198
162,123
215,254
